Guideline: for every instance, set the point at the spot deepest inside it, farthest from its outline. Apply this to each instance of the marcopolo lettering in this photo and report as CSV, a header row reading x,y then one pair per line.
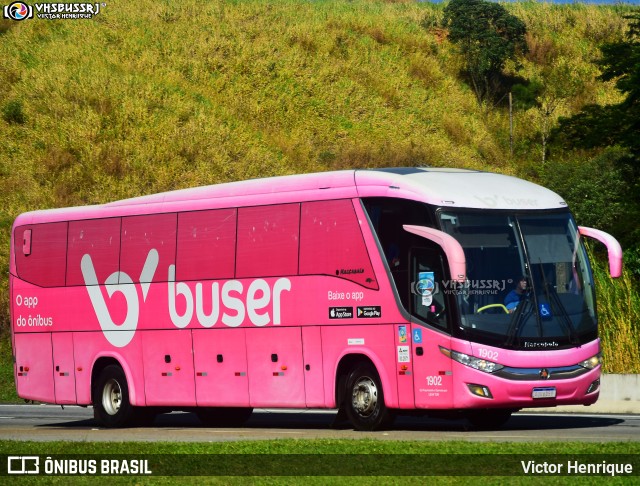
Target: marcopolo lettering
x,y
350,271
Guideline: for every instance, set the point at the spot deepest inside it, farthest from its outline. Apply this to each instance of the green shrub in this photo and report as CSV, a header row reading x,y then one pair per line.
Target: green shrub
x,y
618,303
13,112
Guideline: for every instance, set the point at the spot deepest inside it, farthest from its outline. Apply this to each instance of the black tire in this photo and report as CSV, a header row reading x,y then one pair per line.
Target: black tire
x,y
364,399
111,407
223,416
489,418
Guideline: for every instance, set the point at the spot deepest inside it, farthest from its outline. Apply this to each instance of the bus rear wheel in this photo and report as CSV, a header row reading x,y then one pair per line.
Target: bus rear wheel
x,y
111,406
223,416
364,399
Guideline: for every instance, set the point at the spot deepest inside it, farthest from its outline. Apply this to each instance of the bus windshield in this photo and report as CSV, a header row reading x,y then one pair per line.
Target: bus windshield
x,y
529,285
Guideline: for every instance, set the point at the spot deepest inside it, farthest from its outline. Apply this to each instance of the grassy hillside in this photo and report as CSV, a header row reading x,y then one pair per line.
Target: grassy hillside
x,y
178,94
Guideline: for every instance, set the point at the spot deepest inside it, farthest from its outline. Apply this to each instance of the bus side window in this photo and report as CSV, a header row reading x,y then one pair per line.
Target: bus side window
x,y
98,238
331,243
388,215
45,265
268,241
141,234
206,245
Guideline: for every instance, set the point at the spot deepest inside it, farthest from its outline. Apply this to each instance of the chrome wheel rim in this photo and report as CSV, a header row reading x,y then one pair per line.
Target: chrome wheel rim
x,y
365,396
111,397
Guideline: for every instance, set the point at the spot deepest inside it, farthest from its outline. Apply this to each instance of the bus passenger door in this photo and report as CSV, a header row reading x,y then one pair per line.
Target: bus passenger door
x,y
313,373
220,358
433,382
64,376
274,357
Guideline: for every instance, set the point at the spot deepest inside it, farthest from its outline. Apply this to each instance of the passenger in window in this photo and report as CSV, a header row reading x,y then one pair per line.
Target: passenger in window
x,y
393,256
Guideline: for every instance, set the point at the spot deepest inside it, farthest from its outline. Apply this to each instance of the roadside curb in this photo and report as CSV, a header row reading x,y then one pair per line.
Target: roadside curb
x,y
618,394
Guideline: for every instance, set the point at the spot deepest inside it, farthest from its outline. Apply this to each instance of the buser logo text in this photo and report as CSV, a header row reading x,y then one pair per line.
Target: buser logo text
x,y
230,304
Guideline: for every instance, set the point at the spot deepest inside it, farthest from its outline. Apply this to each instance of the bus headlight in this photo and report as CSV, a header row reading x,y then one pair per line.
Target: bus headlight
x,y
471,361
592,362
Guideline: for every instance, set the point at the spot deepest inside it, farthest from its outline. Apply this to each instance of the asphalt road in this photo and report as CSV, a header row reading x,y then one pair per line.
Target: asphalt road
x,y
50,422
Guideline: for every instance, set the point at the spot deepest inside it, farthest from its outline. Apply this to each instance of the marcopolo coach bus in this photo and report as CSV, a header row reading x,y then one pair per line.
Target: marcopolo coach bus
x,y
377,292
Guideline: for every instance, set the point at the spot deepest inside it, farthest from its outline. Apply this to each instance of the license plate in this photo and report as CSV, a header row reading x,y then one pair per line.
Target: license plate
x,y
549,392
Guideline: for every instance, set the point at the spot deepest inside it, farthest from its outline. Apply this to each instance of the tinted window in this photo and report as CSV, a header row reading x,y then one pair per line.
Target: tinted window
x,y
206,245
46,264
331,243
268,241
141,234
98,238
387,216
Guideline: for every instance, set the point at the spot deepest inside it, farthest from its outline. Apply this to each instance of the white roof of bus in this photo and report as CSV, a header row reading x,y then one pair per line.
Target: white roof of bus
x,y
441,187
463,188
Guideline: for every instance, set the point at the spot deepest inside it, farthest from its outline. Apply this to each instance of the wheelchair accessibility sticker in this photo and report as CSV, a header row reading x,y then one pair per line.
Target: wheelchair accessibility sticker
x,y
545,311
417,336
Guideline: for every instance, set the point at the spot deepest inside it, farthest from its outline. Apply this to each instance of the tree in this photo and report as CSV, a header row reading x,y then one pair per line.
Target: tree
x,y
602,126
487,36
547,94
616,125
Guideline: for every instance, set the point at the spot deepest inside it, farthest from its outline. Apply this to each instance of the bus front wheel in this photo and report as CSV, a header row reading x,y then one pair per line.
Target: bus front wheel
x,y
111,406
364,399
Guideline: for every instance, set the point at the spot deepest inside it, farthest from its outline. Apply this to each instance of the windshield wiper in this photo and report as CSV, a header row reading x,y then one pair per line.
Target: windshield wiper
x,y
552,296
514,328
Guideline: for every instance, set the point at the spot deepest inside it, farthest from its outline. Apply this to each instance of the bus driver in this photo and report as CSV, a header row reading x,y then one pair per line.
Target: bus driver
x,y
514,297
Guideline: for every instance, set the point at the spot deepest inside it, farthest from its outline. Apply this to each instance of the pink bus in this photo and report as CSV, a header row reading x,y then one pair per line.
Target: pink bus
x,y
376,292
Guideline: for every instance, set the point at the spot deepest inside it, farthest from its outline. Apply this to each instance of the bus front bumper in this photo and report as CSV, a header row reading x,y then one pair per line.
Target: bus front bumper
x,y
476,389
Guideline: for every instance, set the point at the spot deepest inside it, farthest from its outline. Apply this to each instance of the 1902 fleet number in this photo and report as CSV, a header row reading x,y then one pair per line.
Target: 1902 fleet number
x,y
488,354
434,380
